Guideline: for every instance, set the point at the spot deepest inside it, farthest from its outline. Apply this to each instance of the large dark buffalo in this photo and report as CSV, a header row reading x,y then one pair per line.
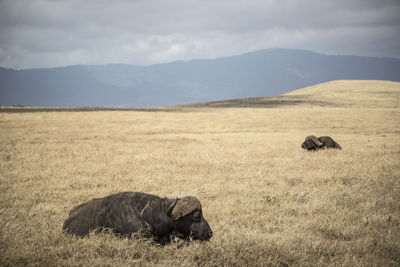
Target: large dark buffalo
x,y
139,213
314,143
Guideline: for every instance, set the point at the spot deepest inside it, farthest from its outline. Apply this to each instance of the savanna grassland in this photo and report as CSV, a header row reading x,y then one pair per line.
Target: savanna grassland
x,y
268,201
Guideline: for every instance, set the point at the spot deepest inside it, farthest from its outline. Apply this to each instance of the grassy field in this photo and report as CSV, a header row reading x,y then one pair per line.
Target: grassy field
x,y
269,202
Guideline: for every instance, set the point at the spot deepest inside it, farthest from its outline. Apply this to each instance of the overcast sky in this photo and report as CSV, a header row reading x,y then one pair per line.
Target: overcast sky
x,y
48,33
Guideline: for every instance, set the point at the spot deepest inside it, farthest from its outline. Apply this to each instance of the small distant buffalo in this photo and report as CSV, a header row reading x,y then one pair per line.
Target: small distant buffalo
x,y
147,215
323,142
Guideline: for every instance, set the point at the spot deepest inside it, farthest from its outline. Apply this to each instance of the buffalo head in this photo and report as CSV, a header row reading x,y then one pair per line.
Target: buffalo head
x,y
188,221
311,143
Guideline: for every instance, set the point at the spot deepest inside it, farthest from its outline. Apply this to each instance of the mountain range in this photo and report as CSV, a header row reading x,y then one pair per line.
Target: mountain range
x,y
267,72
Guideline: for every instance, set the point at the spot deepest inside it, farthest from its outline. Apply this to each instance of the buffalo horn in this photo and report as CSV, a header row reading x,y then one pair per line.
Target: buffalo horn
x,y
315,140
171,207
185,206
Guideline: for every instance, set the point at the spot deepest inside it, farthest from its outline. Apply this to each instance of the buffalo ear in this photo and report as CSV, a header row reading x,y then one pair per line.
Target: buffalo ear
x,y
171,207
315,140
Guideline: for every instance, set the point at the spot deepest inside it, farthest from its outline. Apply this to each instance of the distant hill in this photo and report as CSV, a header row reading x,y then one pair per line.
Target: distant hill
x,y
269,72
340,93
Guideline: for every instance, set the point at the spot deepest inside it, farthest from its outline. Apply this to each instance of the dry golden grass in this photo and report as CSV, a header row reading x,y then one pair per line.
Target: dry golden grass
x,y
268,201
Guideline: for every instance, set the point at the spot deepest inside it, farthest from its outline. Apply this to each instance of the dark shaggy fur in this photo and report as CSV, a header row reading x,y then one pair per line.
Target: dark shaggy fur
x,y
314,143
148,215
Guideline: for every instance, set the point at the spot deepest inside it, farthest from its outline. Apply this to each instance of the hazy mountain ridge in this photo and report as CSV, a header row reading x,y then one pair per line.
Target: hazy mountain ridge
x,y
267,72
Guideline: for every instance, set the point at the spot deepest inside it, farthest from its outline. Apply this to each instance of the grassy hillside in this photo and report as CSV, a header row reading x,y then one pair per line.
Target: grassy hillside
x,y
360,94
267,200
343,93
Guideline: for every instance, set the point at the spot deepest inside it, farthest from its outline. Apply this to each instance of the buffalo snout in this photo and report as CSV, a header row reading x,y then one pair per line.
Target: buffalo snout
x,y
201,231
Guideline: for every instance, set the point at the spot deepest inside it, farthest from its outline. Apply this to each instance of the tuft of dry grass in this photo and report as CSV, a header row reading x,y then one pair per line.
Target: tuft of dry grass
x,y
268,201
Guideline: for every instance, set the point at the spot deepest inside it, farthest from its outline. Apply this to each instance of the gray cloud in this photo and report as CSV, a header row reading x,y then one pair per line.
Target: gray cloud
x,y
39,33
